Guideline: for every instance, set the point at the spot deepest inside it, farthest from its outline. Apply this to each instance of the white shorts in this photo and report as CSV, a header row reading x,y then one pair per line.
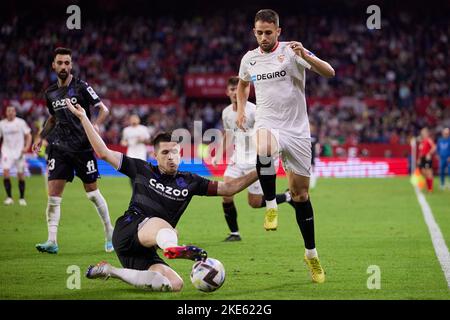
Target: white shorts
x,y
9,161
237,171
142,155
295,153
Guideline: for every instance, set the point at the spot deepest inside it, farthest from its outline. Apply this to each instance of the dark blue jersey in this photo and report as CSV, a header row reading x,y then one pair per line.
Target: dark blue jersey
x,y
160,195
68,133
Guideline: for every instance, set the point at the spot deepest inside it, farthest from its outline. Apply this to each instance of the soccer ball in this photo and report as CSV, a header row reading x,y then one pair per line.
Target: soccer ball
x,y
208,275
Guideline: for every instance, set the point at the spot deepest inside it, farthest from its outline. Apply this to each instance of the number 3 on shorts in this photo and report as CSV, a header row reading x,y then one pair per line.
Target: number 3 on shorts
x,y
51,164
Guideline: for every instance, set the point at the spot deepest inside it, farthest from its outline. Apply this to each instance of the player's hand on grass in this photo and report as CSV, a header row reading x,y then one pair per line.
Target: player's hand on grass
x,y
37,145
76,110
240,121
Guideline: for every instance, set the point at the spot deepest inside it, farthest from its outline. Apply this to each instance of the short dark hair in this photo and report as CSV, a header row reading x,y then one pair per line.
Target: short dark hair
x,y
162,137
61,50
268,15
233,81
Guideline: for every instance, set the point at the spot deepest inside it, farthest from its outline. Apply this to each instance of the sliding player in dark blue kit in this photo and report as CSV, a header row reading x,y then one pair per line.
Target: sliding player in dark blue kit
x,y
160,196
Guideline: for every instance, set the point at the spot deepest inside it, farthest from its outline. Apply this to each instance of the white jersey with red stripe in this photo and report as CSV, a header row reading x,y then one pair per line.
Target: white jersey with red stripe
x,y
13,134
279,80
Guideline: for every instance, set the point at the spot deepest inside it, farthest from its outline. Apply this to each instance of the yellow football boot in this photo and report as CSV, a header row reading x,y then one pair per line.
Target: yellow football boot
x,y
315,269
271,220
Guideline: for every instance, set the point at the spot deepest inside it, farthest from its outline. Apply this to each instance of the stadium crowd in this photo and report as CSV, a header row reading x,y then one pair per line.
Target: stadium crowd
x,y
148,57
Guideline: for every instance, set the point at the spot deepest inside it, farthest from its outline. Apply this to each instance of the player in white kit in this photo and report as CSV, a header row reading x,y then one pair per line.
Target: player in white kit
x,y
135,137
277,70
16,136
242,160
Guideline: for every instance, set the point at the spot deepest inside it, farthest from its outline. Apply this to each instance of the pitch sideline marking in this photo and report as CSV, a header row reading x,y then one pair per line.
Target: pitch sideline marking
x,y
436,235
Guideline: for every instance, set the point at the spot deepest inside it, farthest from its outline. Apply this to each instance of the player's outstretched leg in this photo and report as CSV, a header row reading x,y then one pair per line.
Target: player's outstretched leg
x,y
142,279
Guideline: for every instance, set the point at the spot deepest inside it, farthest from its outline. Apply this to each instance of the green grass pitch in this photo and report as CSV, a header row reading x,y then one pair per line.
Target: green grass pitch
x,y
359,223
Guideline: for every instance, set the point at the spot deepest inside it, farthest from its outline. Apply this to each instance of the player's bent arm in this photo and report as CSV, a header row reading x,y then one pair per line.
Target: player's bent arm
x,y
320,66
242,92
102,114
100,148
48,127
236,185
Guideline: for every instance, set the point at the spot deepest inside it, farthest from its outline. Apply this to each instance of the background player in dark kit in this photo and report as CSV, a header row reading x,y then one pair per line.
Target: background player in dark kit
x,y
70,150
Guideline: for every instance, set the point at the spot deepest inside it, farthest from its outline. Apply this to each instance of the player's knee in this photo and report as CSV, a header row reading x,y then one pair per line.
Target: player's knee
x,y
90,187
301,195
264,152
177,285
227,199
55,193
255,203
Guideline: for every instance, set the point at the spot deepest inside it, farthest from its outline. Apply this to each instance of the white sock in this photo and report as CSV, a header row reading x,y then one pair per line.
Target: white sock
x,y
166,238
311,253
288,196
142,279
102,209
53,213
271,204
235,233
